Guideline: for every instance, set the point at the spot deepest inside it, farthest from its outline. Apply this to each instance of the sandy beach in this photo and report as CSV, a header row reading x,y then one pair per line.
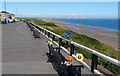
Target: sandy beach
x,y
103,35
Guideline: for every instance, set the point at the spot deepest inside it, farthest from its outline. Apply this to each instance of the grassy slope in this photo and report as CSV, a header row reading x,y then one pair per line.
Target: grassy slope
x,y
86,41
82,39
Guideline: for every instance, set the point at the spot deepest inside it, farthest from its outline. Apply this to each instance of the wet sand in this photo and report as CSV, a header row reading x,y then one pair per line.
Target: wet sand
x,y
103,35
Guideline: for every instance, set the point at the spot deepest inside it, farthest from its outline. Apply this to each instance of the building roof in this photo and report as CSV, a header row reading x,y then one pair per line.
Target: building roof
x,y
4,12
12,14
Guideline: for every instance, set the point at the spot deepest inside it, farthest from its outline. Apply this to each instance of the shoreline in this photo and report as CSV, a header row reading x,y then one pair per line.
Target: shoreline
x,y
110,29
105,36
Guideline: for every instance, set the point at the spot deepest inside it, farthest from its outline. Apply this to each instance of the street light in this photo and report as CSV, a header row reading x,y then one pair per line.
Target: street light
x,y
5,10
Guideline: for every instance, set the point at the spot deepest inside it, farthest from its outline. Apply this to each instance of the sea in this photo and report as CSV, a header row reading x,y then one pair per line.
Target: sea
x,y
110,24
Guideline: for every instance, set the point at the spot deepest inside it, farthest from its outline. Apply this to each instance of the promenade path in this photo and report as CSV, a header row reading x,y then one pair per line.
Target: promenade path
x,y
22,54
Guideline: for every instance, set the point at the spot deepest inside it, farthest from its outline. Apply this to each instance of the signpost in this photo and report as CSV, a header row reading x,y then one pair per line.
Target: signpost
x,y
66,34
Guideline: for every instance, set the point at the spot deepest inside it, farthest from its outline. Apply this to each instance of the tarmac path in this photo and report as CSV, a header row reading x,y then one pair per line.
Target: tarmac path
x,y
22,54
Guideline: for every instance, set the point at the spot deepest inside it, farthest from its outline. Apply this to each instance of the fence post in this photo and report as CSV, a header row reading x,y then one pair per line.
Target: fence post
x,y
53,38
42,31
94,62
60,44
66,45
60,41
27,23
48,34
45,32
71,49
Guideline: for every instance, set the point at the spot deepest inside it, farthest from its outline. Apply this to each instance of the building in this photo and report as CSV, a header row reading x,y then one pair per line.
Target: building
x,y
4,14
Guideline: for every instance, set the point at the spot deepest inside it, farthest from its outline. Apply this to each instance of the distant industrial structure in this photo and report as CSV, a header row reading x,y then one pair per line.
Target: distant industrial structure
x,y
6,15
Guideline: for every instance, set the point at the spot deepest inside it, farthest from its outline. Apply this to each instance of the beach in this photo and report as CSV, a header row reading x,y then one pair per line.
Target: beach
x,y
105,36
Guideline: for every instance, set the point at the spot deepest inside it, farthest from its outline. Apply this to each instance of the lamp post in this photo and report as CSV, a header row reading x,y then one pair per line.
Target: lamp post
x,y
5,10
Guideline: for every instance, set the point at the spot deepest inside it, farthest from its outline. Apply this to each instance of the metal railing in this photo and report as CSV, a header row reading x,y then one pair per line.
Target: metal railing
x,y
94,53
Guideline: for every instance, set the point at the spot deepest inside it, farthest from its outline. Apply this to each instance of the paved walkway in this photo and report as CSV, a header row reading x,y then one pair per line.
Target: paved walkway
x,y
22,54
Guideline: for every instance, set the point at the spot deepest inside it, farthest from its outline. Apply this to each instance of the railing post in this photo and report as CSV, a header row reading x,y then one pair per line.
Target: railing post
x,y
60,41
48,34
71,49
94,62
42,31
45,32
53,38
66,44
60,44
27,23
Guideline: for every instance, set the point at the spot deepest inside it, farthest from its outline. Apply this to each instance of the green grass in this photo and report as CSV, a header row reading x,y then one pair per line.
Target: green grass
x,y
86,41
95,45
112,67
27,18
49,24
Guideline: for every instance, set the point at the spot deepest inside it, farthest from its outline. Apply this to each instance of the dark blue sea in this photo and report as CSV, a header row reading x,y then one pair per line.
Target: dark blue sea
x,y
111,24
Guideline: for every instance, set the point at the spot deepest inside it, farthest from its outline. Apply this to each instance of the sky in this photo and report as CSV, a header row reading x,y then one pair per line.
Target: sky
x,y
62,0
63,9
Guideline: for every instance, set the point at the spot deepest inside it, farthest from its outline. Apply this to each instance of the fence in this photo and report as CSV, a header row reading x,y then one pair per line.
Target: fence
x,y
94,53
